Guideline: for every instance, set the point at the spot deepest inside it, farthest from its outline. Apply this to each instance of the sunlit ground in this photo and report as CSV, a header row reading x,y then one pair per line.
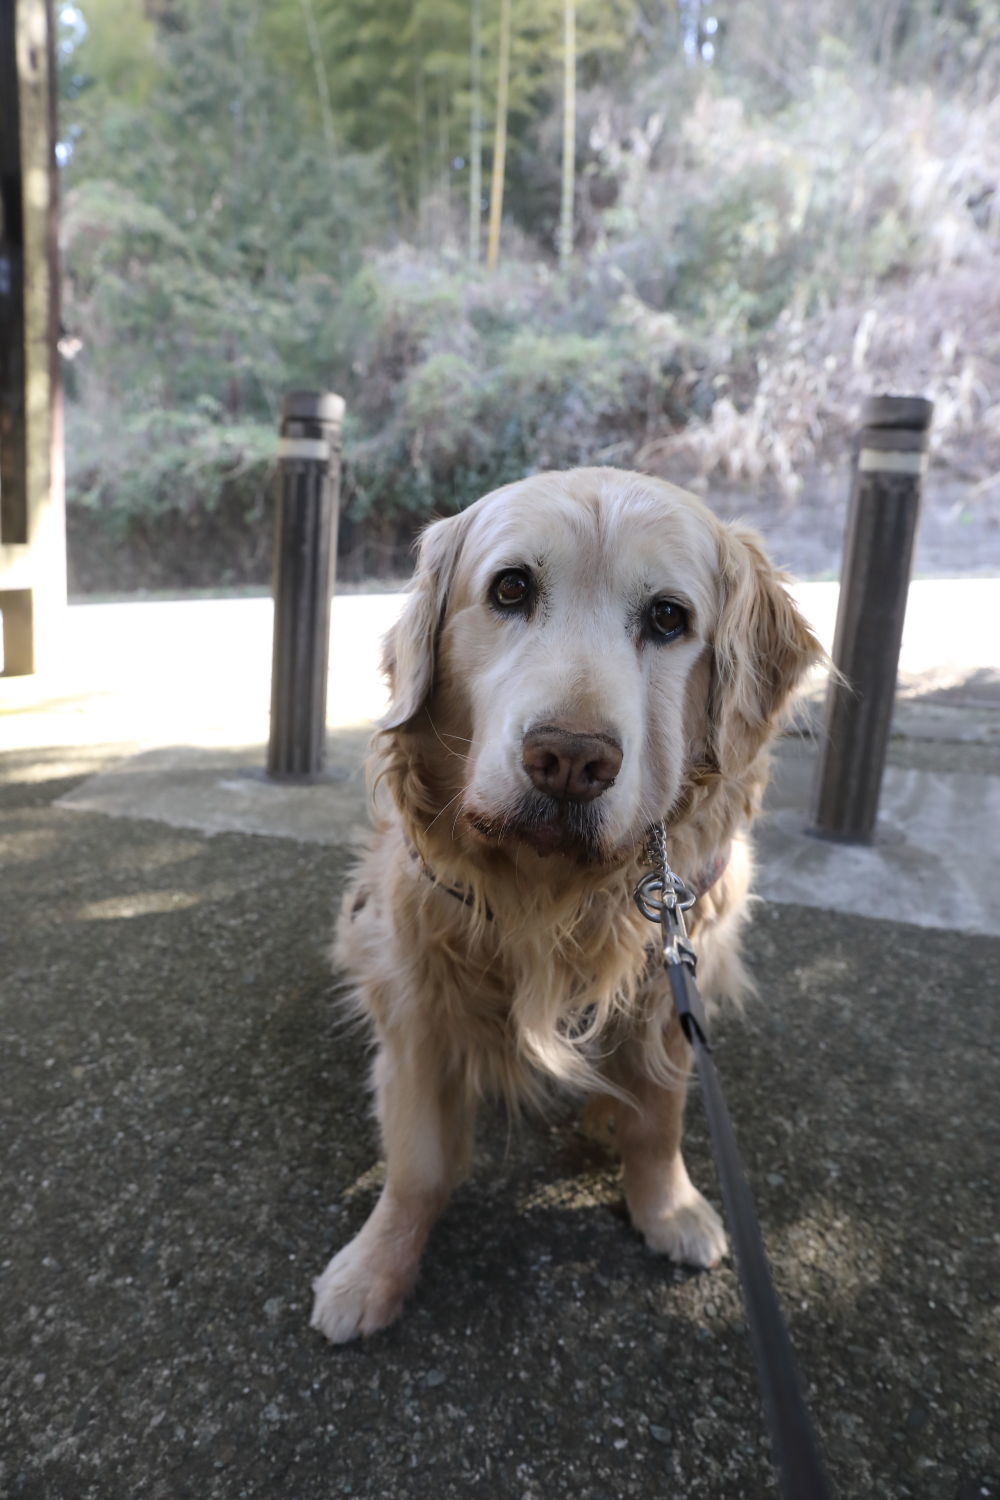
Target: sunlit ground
x,y
193,672
197,672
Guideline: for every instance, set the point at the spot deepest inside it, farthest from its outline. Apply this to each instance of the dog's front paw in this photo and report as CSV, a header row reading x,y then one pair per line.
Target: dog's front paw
x,y
690,1232
355,1296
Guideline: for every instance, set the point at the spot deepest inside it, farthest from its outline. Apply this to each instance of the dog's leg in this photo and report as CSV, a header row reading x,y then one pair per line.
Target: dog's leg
x,y
664,1204
427,1130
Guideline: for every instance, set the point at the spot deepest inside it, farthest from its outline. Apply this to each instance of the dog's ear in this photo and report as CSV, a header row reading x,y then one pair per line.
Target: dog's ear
x,y
762,649
409,648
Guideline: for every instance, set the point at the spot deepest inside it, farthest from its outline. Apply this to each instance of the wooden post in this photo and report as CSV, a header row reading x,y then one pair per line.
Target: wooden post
x,y
32,500
875,579
305,554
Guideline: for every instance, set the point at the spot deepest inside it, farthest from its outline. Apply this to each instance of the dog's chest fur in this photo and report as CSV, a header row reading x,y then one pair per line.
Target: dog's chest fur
x,y
532,984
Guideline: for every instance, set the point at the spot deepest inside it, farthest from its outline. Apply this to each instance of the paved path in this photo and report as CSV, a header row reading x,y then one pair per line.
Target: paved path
x,y
185,1136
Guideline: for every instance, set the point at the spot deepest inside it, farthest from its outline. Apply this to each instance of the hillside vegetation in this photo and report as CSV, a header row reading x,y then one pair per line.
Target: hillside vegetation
x,y
778,209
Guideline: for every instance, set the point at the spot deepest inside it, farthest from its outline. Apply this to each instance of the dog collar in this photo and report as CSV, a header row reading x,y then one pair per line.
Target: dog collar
x,y
710,875
459,892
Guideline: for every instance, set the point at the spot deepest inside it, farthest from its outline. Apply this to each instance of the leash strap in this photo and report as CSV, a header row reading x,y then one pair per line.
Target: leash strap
x,y
663,897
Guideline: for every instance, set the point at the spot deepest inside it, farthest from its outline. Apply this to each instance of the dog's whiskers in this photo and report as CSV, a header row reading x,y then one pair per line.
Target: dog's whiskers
x,y
441,740
441,811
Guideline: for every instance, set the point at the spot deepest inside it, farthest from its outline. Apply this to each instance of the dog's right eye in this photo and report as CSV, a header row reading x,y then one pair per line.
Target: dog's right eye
x,y
510,589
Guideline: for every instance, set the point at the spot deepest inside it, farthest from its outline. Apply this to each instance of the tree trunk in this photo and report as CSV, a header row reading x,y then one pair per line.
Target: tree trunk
x,y
569,135
421,110
322,82
476,134
499,140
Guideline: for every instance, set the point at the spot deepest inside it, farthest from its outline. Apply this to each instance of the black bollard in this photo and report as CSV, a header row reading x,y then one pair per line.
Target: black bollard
x,y
875,576
305,557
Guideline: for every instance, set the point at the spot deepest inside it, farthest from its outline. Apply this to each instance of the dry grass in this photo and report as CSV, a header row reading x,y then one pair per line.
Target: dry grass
x,y
904,297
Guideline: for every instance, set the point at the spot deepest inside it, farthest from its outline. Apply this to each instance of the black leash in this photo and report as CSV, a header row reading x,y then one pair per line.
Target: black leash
x,y
663,897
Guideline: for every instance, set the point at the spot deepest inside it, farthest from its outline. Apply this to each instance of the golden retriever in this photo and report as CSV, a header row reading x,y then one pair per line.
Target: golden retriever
x,y
582,654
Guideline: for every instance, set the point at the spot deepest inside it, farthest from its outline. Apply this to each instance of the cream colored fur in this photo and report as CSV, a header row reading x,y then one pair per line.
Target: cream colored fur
x,y
541,977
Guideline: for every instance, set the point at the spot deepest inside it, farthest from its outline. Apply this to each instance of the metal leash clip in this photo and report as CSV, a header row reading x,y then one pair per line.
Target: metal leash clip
x,y
662,897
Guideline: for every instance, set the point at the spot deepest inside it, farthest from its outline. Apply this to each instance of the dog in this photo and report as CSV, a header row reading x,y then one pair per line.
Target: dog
x,y
582,654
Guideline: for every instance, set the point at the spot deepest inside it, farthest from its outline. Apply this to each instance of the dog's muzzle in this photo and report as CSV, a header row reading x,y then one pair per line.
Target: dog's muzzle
x,y
569,766
558,811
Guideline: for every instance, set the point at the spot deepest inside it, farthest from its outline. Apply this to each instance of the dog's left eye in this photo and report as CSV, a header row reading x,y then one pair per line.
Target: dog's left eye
x,y
668,620
511,588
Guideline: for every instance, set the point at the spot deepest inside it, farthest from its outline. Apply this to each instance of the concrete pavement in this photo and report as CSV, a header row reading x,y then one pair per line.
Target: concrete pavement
x,y
184,1132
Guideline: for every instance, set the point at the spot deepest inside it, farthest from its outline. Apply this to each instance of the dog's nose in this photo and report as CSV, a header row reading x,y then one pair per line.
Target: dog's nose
x,y
568,766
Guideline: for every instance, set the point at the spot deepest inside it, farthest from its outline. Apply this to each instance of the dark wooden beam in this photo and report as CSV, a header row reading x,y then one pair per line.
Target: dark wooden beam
x,y
32,502
13,461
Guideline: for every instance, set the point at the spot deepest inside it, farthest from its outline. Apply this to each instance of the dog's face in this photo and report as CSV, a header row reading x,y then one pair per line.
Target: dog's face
x,y
575,644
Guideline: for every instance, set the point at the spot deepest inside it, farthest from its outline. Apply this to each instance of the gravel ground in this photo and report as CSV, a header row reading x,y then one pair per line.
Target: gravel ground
x,y
185,1139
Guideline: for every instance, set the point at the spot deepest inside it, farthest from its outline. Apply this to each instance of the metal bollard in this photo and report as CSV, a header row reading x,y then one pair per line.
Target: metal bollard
x,y
304,564
875,575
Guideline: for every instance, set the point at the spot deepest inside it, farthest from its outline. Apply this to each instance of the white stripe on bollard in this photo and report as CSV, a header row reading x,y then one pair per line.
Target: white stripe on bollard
x,y
294,447
890,461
